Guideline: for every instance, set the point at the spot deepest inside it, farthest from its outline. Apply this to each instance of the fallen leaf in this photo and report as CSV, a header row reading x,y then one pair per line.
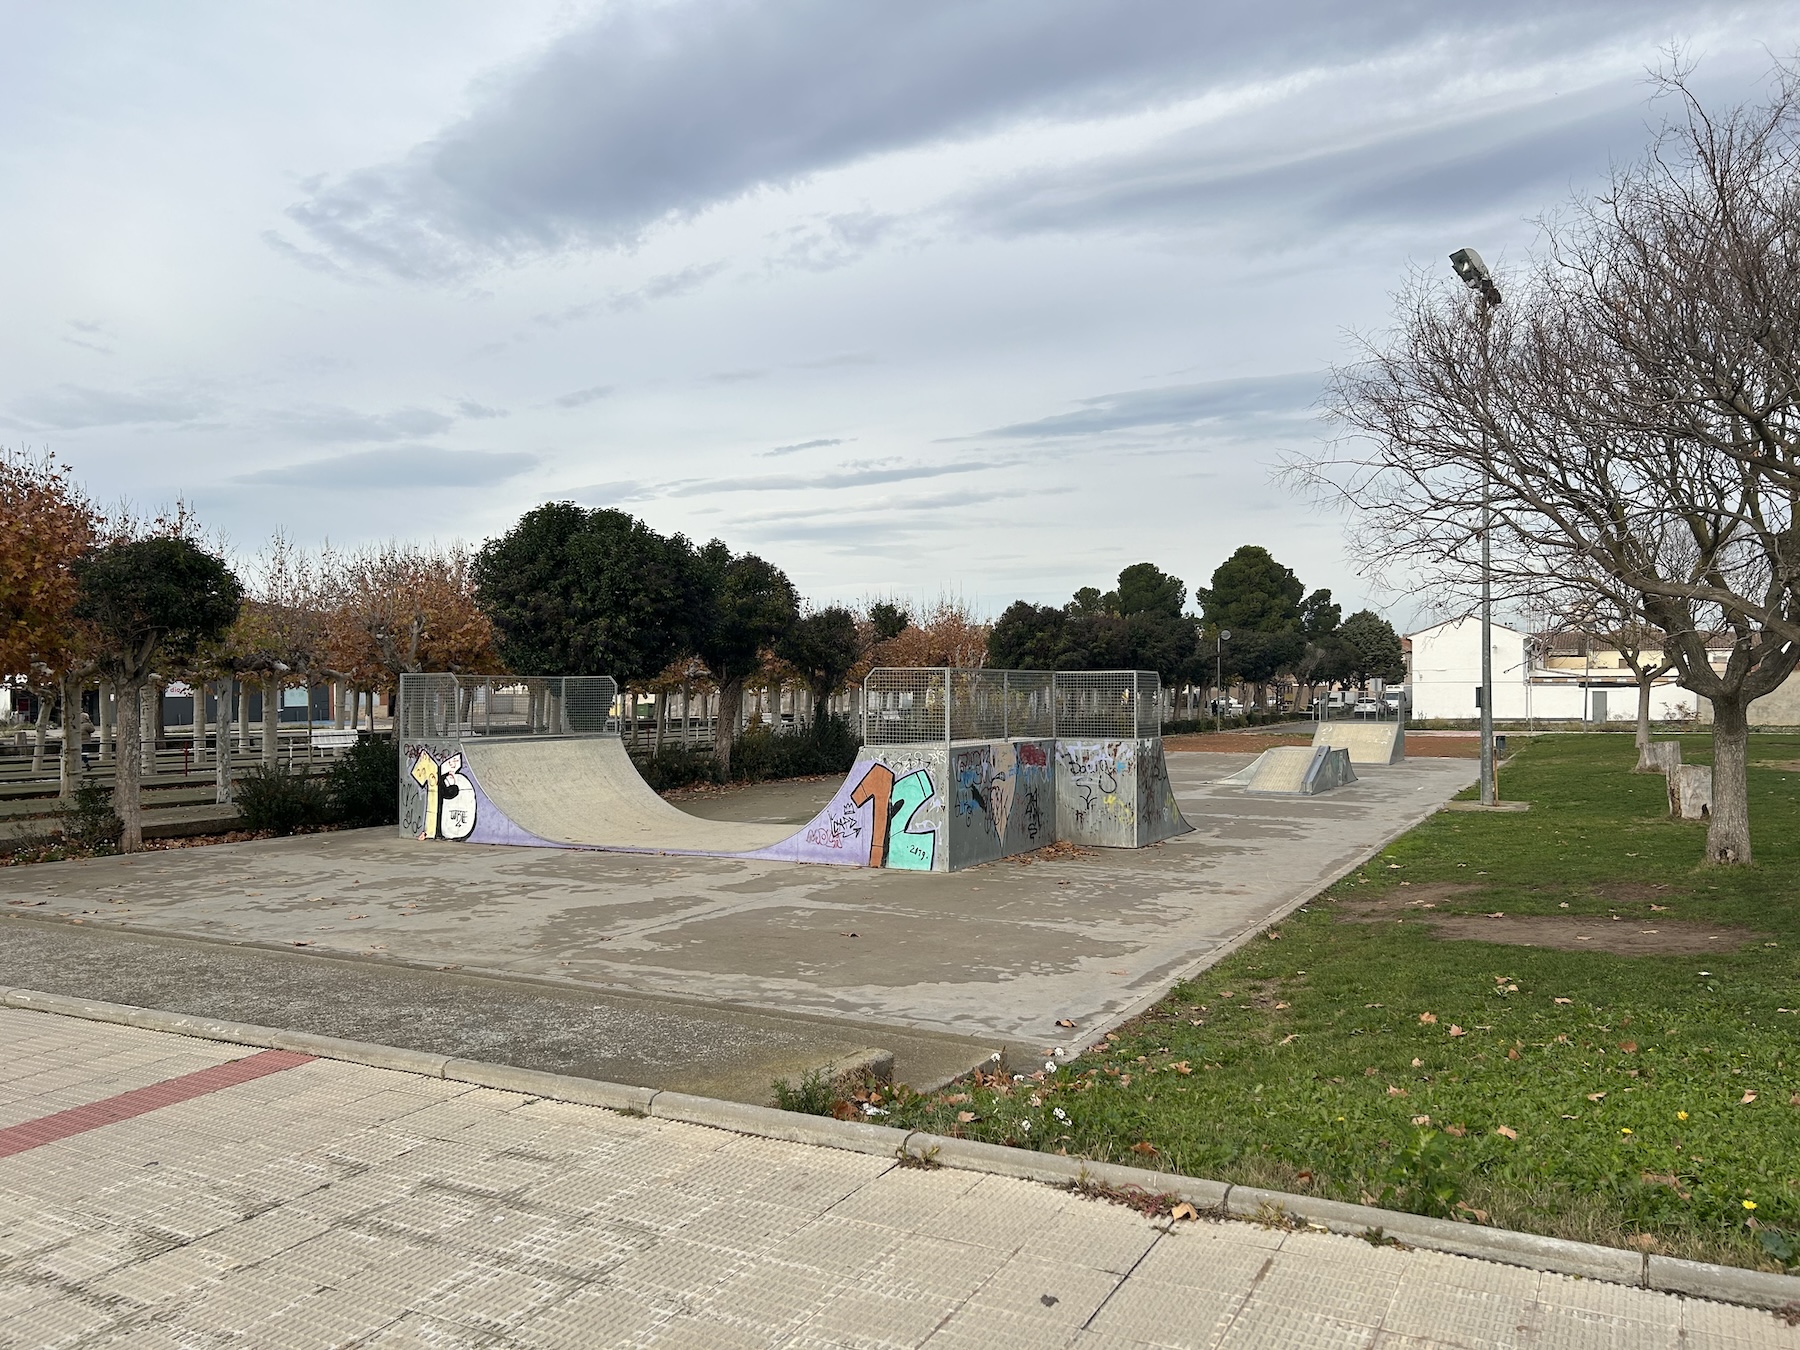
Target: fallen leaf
x,y
1369,1072
1498,914
1429,1019
1629,1047
1746,1099
1280,1006
1565,1000
1303,1177
1457,1031
1479,1215
1184,1211
1595,1096
1064,1022
1290,1037
1512,1054
1421,1120
1418,1063
1506,1131
964,1117
1145,1147
1457,1131
1183,1068
849,935
1396,1091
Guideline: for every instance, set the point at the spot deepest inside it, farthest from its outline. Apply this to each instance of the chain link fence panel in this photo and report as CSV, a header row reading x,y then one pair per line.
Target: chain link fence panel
x,y
452,707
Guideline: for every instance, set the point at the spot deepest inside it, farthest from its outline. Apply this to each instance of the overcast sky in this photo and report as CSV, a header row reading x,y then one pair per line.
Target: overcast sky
x,y
983,296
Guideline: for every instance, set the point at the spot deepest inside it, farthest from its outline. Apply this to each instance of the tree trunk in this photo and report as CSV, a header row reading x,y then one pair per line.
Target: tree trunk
x,y
107,716
43,731
127,769
149,695
1728,832
731,709
222,750
1643,721
198,688
72,738
271,722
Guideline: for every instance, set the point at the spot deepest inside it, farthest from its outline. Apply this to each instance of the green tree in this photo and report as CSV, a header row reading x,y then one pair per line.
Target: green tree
x,y
1145,588
1372,649
888,620
572,591
1251,592
822,646
149,601
1027,637
749,606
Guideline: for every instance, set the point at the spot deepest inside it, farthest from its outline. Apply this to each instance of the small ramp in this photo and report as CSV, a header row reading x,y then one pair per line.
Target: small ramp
x,y
1295,771
1368,742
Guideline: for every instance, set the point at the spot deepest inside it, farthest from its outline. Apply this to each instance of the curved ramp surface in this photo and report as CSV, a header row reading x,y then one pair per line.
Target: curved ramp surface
x,y
586,792
1368,742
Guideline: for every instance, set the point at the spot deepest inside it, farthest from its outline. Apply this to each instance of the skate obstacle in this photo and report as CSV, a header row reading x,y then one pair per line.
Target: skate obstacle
x,y
958,767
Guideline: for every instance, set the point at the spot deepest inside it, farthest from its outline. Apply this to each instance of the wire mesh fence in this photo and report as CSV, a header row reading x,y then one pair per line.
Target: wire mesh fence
x,y
903,705
450,707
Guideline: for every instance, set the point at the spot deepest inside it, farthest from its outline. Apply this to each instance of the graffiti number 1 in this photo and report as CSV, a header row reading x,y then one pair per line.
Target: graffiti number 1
x,y
877,786
425,774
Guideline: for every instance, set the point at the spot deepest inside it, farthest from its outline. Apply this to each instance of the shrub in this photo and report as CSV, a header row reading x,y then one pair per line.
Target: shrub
x,y
89,822
827,748
364,786
678,766
812,1096
279,800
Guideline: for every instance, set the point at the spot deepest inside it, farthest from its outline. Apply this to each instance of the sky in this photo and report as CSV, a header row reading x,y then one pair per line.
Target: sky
x,y
979,298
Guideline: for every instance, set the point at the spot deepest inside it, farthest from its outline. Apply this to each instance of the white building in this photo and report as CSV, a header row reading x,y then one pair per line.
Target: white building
x,y
1533,679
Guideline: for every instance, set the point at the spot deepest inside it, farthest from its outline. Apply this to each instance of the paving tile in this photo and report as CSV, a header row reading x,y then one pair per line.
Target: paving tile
x,y
415,1331
869,1320
1261,1324
58,1322
495,1299
1045,1294
703,1333
1577,1329
1167,1315
1478,1318
1001,1212
604,1315
1344,1285
1204,1258
774,1297
1102,1237
934,1268
975,1328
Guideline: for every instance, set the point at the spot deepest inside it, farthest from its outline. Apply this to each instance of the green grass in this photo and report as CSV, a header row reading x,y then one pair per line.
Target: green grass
x,y
1301,1062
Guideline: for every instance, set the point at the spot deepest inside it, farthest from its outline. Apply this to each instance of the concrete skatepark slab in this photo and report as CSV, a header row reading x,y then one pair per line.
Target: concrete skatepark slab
x,y
996,953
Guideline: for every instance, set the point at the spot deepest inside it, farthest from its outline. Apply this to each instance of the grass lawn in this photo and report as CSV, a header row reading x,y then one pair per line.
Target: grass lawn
x,y
1382,1047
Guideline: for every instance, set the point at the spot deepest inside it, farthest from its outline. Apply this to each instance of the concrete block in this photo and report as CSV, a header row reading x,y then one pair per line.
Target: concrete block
x,y
767,1123
997,1160
1368,742
1690,792
1729,1284
556,1086
1462,1239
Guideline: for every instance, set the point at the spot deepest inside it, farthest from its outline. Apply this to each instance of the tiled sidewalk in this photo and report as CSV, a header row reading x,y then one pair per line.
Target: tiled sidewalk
x,y
328,1204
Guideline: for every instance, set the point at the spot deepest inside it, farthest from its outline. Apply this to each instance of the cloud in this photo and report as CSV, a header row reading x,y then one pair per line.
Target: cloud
x,y
831,242
414,467
655,110
862,476
804,445
736,376
665,286
1241,401
346,424
71,407
477,412
580,398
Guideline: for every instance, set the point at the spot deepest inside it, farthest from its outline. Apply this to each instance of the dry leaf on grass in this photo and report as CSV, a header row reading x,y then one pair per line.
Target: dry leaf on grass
x,y
1184,1211
965,1117
1506,1131
1565,1000
1290,1037
1746,1099
1457,1031
1428,1019
1145,1147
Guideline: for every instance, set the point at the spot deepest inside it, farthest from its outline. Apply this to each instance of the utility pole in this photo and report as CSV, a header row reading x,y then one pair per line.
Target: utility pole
x,y
1219,680
1474,273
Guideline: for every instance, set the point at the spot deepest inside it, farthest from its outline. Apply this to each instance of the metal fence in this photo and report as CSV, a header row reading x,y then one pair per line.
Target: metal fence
x,y
906,705
450,707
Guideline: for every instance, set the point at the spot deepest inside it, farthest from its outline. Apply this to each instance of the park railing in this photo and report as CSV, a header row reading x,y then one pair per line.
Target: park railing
x,y
434,706
909,705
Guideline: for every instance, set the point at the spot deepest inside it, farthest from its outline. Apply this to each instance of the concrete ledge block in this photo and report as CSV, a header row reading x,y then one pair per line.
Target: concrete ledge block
x,y
360,1052
768,1123
556,1086
973,1156
1444,1235
1729,1284
1197,1191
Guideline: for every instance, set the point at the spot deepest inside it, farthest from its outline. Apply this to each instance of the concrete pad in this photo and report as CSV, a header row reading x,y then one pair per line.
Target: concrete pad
x,y
993,955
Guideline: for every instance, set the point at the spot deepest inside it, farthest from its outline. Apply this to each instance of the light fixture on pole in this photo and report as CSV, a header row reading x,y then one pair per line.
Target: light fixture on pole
x,y
1475,275
1219,679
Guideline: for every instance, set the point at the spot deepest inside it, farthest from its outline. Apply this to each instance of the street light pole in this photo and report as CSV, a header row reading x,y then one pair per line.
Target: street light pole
x,y
1474,273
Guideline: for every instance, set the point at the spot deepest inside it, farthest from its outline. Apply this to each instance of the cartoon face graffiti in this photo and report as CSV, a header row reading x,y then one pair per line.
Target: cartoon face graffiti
x,y
449,797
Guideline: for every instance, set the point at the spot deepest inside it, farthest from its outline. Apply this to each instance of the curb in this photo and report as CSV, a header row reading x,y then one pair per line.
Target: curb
x,y
1665,1274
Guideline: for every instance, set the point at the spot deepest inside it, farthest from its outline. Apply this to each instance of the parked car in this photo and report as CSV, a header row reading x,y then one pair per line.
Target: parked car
x,y
1366,707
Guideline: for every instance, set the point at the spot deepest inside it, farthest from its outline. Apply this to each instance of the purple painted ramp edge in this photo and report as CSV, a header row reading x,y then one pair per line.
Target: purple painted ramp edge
x,y
837,836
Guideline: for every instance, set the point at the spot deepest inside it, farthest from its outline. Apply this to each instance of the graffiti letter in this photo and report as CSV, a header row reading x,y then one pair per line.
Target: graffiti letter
x,y
456,800
911,852
425,774
877,786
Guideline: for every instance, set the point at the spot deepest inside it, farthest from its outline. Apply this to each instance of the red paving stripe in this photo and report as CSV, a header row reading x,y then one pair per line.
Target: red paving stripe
x,y
110,1110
